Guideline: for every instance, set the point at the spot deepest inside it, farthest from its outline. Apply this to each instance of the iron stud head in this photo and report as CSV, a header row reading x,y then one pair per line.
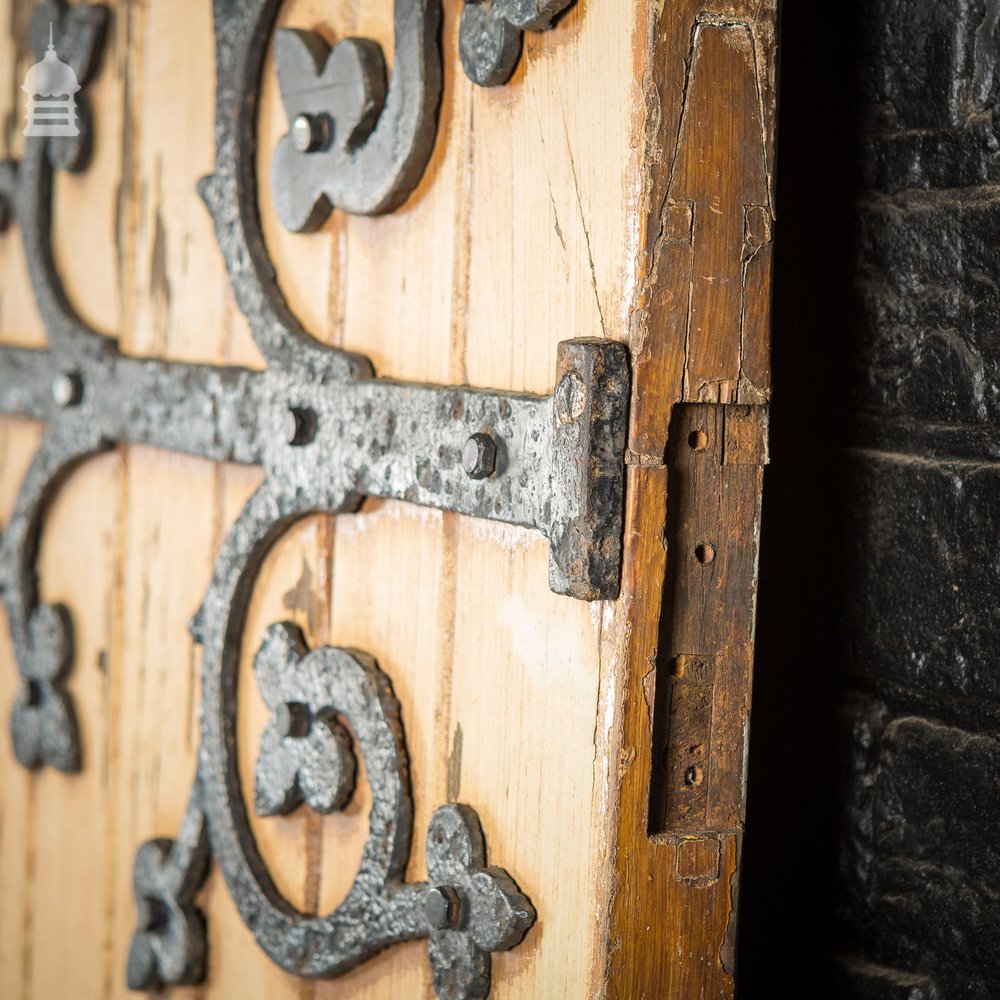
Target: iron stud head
x,y
442,907
292,720
479,456
310,133
570,398
299,426
67,389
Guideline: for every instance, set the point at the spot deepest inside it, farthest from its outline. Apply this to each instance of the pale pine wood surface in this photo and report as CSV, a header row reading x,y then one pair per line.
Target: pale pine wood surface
x,y
521,234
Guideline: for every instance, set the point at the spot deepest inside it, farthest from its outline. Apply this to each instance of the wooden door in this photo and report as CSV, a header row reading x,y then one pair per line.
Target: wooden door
x,y
617,187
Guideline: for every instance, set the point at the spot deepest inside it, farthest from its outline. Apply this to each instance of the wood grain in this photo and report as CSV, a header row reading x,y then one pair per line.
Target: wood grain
x,y
607,190
699,334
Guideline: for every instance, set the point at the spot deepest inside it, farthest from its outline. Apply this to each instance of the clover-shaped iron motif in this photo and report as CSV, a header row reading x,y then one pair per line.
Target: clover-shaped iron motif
x,y
358,144
473,909
305,753
333,99
490,34
43,722
169,945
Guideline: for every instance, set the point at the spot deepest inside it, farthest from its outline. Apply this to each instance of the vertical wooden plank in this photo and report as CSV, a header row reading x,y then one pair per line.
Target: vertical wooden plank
x,y
65,888
179,306
19,324
18,853
153,737
548,226
524,694
699,332
396,609
313,858
77,568
392,565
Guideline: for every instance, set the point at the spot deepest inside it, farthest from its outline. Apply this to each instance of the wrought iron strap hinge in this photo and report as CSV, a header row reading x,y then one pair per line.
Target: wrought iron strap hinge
x,y
553,463
317,421
327,433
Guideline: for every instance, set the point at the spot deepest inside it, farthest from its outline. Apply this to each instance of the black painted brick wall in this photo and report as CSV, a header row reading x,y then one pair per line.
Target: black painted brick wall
x,y
920,854
873,847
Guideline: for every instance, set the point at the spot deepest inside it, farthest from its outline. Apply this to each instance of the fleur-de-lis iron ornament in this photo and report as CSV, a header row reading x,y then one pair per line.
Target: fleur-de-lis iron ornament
x,y
552,463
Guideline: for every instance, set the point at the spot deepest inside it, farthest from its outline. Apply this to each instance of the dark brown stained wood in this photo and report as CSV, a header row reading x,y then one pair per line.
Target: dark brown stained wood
x,y
702,332
521,234
700,335
702,682
681,771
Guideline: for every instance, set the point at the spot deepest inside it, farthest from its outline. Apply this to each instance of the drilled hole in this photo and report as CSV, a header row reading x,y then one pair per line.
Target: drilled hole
x,y
698,440
693,776
300,426
154,915
704,553
33,695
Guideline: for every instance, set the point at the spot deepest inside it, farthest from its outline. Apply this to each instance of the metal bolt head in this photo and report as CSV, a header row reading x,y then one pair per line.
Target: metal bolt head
x,y
292,720
67,389
570,397
479,456
443,907
299,426
310,133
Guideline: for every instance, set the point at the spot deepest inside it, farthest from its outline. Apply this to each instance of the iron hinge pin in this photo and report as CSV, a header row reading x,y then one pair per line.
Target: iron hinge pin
x,y
293,720
479,456
443,907
299,426
67,389
310,133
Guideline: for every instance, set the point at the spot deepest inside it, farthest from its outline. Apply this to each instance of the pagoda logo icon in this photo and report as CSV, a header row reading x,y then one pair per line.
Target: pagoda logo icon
x,y
51,86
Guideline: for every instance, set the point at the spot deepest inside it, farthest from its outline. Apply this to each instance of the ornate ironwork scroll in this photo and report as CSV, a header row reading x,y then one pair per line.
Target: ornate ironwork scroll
x,y
355,143
467,910
327,433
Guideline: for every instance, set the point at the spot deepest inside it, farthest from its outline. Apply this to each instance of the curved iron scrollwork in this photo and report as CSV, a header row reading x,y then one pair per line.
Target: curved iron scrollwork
x,y
359,145
466,911
43,720
327,433
353,143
